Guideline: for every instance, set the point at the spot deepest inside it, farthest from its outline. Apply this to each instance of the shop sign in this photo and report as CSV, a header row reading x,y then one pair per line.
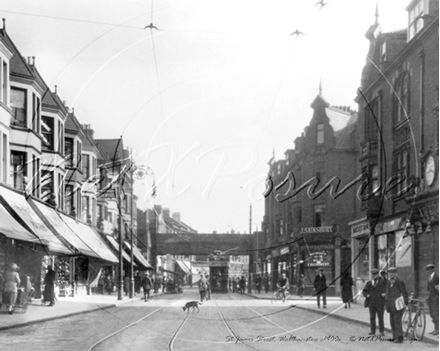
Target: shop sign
x,y
315,230
320,259
284,250
389,226
360,229
275,253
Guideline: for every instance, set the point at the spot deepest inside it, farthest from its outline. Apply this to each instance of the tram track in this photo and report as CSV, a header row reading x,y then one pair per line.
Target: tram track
x,y
280,327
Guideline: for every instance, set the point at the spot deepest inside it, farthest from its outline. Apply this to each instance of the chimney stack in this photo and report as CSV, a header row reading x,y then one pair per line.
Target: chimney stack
x,y
176,216
166,212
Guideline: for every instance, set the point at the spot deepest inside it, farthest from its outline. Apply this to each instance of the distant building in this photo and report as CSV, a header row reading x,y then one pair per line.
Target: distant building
x,y
304,232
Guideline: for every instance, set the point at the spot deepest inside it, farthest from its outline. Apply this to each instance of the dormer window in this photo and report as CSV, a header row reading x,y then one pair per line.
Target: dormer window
x,y
320,134
416,12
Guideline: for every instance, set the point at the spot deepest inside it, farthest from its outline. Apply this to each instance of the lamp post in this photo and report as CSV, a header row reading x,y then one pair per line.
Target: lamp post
x,y
250,252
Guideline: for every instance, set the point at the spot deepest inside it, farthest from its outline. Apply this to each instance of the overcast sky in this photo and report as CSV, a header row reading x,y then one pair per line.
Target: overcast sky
x,y
206,99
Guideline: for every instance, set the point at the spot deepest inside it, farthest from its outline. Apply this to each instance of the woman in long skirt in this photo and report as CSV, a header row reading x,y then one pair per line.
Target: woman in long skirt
x,y
347,293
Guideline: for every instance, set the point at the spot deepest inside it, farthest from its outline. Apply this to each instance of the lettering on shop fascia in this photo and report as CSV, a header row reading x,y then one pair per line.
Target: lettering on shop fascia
x,y
311,230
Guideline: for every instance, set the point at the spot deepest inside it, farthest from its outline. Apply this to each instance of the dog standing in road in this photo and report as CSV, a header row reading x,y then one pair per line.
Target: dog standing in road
x,y
193,304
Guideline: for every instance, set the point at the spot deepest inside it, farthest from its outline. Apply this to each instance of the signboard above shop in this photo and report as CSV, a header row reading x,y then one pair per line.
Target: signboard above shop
x,y
315,230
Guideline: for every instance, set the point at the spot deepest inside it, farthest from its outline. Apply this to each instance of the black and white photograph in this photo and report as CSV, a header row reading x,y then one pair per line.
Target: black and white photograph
x,y
188,175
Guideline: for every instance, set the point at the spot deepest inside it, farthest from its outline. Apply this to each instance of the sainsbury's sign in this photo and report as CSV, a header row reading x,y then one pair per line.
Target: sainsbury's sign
x,y
312,230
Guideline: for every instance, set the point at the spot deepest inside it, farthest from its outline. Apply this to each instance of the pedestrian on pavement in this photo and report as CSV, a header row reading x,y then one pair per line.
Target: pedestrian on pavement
x,y
208,288
12,281
126,284
320,285
234,285
242,285
202,287
301,285
433,296
49,287
258,282
395,290
347,289
266,283
374,292
146,285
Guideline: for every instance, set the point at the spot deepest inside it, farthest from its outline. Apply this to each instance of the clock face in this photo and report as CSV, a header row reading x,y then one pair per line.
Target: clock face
x,y
430,170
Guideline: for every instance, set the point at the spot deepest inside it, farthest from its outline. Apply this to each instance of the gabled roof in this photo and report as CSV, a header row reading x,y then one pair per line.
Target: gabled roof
x,y
338,118
175,226
111,149
18,65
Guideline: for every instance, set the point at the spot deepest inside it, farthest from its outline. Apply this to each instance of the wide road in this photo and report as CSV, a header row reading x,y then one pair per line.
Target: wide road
x,y
227,322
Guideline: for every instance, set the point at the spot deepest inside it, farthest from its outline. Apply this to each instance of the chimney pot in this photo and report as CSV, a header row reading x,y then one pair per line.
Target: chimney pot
x,y
55,89
4,24
33,60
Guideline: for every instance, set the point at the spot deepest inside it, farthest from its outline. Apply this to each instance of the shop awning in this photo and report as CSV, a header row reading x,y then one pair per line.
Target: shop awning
x,y
51,218
115,245
14,230
138,256
183,266
87,235
18,207
167,271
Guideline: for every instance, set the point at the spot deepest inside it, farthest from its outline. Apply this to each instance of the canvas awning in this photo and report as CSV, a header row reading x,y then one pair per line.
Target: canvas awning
x,y
138,256
16,204
115,245
14,230
87,235
52,219
183,266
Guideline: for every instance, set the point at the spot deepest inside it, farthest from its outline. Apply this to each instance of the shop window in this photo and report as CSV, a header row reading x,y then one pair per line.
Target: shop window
x,y
403,249
18,169
319,215
364,257
385,249
18,105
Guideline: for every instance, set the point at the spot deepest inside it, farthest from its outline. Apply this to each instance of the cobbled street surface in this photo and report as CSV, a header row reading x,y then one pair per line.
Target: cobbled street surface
x,y
226,322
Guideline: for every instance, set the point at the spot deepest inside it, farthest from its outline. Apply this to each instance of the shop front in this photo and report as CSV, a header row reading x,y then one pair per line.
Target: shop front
x,y
361,247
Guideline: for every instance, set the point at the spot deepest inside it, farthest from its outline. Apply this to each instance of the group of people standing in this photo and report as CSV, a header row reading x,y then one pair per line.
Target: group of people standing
x,y
382,294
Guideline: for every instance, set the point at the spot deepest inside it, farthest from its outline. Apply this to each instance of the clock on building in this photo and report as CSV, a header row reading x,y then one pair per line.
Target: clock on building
x,y
430,170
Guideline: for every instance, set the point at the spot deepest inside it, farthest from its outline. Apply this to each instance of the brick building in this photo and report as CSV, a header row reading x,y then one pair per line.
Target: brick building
x,y
304,229
397,223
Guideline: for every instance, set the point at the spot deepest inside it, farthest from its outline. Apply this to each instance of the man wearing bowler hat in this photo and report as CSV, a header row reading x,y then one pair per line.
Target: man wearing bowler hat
x,y
374,292
433,296
320,286
395,289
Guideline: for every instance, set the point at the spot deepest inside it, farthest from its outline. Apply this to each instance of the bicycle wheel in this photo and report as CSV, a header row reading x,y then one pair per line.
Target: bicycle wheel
x,y
419,325
406,322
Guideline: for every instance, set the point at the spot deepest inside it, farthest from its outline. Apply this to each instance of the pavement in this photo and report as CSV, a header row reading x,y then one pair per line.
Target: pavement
x,y
64,307
356,314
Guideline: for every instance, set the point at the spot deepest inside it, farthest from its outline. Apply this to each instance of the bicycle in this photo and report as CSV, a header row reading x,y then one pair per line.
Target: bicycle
x,y
277,294
414,319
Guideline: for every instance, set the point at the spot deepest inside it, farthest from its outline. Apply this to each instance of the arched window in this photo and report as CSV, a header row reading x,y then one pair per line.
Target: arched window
x,y
401,99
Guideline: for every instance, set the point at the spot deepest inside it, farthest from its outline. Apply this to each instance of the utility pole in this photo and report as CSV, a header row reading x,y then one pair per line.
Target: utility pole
x,y
121,263
250,250
131,230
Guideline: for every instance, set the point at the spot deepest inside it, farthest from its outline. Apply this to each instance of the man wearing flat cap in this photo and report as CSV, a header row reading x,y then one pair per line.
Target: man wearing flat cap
x,y
433,296
395,290
374,292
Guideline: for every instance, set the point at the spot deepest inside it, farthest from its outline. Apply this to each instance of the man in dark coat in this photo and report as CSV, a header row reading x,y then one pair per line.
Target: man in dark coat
x,y
433,296
374,292
146,285
320,285
203,284
395,289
